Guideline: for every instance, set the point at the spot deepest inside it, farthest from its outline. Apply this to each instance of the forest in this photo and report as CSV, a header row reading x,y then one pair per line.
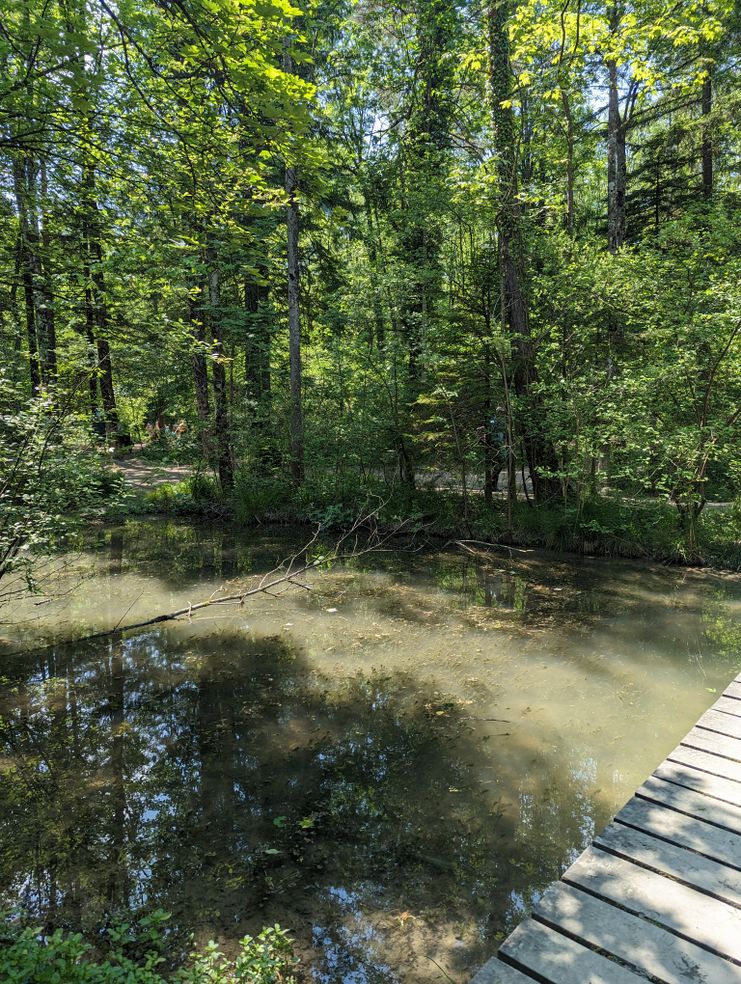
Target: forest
x,y
476,260
452,272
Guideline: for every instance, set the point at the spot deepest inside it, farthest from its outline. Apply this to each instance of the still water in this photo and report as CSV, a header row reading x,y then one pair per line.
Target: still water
x,y
392,764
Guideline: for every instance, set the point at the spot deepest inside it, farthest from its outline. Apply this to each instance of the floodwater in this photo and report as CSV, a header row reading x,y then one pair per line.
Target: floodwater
x,y
392,764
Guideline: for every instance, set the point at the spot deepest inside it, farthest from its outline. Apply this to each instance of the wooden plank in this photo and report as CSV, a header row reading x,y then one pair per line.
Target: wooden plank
x,y
724,724
653,950
693,804
496,972
702,782
728,706
551,956
733,690
711,741
714,842
685,866
706,762
696,917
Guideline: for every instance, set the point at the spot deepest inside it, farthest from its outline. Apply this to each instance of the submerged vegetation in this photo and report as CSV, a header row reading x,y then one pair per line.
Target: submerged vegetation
x,y
392,764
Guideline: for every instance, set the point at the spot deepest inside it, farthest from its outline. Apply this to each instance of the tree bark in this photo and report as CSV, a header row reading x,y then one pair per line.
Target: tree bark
x,y
566,103
97,419
28,274
538,449
199,364
218,376
48,313
97,288
707,142
294,328
616,160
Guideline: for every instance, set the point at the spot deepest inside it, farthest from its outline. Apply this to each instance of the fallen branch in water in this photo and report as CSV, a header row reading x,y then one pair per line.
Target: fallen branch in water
x,y
287,574
464,545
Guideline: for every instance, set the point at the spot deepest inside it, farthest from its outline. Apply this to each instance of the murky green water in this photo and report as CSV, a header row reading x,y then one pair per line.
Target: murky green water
x,y
392,764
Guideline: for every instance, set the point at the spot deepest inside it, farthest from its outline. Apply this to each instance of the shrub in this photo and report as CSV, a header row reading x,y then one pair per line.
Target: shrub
x,y
255,499
204,489
135,956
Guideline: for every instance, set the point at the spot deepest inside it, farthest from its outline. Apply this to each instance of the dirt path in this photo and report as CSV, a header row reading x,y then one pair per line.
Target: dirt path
x,y
146,475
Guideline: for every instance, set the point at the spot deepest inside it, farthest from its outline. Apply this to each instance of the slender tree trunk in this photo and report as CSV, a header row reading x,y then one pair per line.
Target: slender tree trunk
x,y
100,308
199,364
490,473
42,300
707,143
372,251
27,268
616,163
15,315
538,449
294,328
97,419
566,103
257,344
218,376
48,315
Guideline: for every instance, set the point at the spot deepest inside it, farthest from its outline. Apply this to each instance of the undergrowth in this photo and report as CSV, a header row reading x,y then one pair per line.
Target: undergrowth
x,y
135,954
601,526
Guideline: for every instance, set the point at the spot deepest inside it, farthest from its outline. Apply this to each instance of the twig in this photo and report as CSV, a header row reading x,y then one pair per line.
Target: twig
x,y
283,576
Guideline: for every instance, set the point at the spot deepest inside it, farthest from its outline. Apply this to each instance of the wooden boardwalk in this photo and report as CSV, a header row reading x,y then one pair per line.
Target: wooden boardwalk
x,y
658,894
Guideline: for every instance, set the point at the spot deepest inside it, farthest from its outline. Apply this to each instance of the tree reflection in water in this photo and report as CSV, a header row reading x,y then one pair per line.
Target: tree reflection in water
x,y
224,780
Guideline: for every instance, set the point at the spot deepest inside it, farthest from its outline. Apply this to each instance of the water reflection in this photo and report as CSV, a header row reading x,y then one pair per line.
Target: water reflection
x,y
395,782
227,781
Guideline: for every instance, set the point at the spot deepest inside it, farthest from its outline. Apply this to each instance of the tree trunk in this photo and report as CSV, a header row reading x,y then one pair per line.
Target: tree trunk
x,y
707,143
27,268
100,308
294,328
257,343
538,449
48,313
616,163
97,419
199,363
372,252
566,103
218,376
42,300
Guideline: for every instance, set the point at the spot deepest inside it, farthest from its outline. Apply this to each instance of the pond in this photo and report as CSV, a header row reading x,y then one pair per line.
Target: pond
x,y
392,764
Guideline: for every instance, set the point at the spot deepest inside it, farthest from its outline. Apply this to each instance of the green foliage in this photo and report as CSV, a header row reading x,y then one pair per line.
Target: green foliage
x,y
134,955
143,257
258,499
265,959
52,480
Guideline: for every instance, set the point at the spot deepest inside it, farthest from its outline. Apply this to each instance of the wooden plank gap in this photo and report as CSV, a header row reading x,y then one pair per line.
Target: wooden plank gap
x,y
691,780
714,765
674,907
496,971
678,864
588,944
695,805
727,705
636,939
711,741
555,958
668,839
724,724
